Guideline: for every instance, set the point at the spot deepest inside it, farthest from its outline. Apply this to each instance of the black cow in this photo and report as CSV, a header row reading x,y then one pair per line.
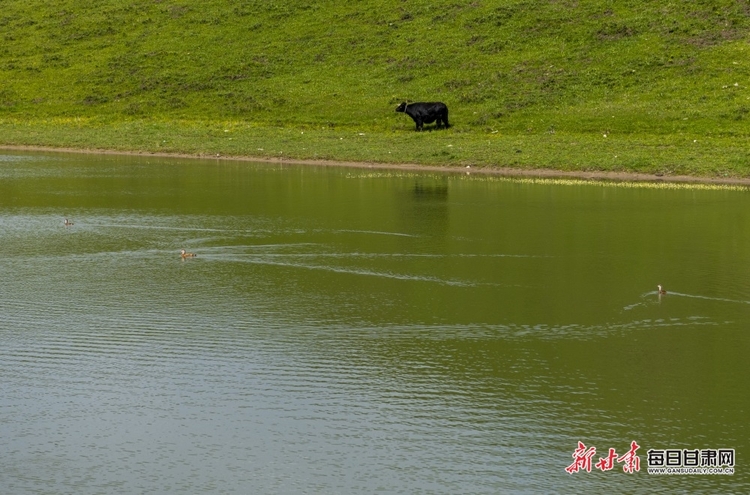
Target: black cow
x,y
425,113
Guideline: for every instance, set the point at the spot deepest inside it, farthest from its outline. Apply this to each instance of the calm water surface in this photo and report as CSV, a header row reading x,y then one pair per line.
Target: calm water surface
x,y
354,331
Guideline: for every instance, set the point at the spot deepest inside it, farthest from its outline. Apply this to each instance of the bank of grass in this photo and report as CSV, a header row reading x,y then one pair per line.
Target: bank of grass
x,y
587,85
651,154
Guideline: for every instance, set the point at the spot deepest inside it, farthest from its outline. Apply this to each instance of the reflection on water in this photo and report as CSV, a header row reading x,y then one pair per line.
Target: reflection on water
x,y
348,332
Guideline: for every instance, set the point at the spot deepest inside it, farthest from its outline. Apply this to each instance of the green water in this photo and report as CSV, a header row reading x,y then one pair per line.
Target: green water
x,y
360,331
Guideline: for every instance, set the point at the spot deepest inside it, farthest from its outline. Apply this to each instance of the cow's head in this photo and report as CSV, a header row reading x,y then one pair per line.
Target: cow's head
x,y
401,107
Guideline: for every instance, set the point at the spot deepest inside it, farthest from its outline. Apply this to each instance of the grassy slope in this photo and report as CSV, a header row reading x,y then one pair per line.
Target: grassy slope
x,y
528,83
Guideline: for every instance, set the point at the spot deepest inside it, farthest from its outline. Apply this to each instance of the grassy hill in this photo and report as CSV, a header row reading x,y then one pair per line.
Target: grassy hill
x,y
528,83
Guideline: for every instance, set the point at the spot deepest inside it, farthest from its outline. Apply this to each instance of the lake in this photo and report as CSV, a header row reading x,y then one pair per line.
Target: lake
x,y
347,331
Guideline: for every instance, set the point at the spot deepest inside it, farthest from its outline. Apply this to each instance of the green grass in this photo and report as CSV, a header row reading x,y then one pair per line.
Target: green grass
x,y
529,84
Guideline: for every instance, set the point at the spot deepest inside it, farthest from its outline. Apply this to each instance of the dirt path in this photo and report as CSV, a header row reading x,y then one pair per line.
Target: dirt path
x,y
499,171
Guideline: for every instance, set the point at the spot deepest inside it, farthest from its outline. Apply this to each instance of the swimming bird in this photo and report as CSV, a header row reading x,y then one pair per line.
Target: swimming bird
x,y
661,291
185,254
68,223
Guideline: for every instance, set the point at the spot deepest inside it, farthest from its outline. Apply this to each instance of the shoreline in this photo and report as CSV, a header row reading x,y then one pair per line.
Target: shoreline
x,y
496,171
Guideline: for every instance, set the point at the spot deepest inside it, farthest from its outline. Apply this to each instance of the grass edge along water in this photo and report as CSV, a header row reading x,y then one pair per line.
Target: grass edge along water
x,y
566,86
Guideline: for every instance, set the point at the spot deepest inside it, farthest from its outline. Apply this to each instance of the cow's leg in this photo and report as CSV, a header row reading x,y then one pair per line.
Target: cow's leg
x,y
419,124
445,119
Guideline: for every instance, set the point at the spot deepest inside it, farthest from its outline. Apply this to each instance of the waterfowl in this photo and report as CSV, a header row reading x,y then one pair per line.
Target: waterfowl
x,y
185,254
68,223
661,291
